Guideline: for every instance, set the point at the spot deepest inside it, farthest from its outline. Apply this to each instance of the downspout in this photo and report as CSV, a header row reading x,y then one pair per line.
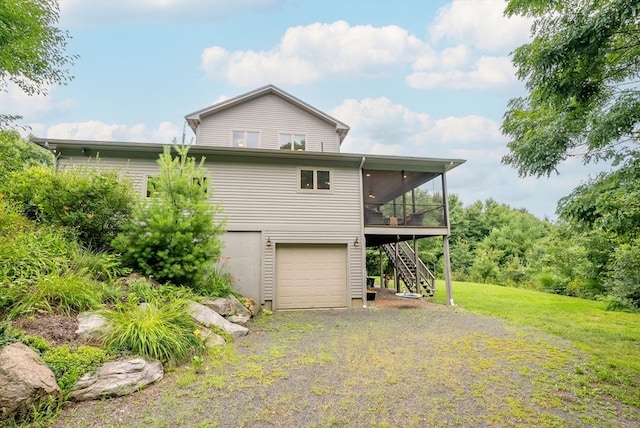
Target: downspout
x,y
363,250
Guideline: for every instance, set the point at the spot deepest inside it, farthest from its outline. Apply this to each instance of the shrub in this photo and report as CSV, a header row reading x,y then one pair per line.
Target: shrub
x,y
173,236
161,331
68,365
92,203
625,277
16,154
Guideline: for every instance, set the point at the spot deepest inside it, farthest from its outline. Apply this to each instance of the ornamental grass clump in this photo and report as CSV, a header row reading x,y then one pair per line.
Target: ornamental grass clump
x,y
162,331
57,292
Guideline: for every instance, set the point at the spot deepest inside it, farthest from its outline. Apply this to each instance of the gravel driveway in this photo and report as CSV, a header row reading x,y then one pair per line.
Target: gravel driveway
x,y
383,366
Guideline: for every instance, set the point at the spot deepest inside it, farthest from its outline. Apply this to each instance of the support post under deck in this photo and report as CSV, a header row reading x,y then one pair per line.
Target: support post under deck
x,y
447,270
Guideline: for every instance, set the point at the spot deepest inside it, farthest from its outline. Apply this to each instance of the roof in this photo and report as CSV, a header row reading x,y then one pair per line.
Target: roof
x,y
194,119
127,150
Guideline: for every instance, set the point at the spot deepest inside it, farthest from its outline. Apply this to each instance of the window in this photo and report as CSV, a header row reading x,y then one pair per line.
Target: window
x,y
292,142
315,179
202,182
151,182
246,139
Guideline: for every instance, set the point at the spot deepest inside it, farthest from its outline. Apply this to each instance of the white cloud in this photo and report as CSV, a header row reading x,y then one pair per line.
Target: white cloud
x,y
480,24
17,102
388,128
306,54
165,132
482,73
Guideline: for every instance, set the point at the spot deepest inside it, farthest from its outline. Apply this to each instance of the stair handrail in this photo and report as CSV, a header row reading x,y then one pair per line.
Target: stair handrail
x,y
405,272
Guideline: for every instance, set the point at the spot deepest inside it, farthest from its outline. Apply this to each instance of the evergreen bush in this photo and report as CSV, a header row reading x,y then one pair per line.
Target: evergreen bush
x,y
173,236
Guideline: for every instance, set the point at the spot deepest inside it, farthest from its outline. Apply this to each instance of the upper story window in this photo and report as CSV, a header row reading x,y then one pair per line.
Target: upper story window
x,y
246,139
315,179
152,183
292,142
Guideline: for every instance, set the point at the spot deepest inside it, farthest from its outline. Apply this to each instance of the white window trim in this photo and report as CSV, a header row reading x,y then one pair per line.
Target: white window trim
x,y
291,135
315,180
253,131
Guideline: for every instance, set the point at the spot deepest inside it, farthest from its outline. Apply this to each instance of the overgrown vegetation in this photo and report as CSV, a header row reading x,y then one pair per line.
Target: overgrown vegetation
x,y
89,203
56,257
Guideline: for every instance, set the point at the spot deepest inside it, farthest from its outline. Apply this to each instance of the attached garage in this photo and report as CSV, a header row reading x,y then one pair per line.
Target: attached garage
x,y
311,276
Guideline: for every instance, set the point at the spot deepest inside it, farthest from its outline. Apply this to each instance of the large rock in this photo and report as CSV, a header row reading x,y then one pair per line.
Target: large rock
x,y
242,320
24,380
210,338
91,327
208,317
253,307
221,305
117,378
238,307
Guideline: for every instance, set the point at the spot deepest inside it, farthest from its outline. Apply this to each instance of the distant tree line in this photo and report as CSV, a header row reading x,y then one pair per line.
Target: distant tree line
x,y
493,243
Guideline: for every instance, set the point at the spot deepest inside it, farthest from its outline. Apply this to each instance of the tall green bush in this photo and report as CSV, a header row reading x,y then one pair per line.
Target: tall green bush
x,y
17,154
173,235
92,203
625,277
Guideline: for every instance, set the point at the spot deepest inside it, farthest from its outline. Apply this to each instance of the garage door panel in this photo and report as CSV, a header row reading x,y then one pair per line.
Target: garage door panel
x,y
311,276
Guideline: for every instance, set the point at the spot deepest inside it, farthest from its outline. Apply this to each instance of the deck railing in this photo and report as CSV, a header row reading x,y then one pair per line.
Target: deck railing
x,y
409,215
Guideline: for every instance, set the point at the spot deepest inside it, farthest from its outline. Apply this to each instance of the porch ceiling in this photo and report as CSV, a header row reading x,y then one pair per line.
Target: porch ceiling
x,y
384,186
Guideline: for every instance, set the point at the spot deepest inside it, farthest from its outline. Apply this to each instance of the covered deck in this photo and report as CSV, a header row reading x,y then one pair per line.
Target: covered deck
x,y
403,203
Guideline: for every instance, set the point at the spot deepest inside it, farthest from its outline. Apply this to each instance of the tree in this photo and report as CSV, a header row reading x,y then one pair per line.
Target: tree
x,y
17,154
174,234
32,48
582,72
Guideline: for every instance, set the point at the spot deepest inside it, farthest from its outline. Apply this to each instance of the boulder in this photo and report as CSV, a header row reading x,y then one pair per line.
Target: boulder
x,y
209,317
238,306
210,338
116,378
242,320
91,327
252,306
25,380
220,305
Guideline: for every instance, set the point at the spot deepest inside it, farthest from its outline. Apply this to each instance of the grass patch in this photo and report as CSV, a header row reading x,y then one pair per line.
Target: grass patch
x,y
611,339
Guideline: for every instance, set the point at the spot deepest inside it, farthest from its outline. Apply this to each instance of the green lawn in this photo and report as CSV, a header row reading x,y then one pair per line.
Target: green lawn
x,y
611,339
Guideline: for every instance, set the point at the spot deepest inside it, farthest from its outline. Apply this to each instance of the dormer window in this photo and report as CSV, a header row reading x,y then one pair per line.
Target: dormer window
x,y
246,139
292,142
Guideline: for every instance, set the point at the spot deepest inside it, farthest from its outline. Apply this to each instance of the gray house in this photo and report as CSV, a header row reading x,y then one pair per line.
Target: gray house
x,y
299,212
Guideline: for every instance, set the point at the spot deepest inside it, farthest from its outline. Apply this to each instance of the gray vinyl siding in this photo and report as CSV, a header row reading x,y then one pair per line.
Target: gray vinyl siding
x,y
269,115
266,198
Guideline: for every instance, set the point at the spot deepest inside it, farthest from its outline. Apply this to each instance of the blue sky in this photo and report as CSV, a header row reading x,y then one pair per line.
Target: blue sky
x,y
416,77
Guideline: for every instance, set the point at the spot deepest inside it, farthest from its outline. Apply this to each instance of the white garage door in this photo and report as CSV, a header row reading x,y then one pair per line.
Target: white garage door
x,y
311,276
